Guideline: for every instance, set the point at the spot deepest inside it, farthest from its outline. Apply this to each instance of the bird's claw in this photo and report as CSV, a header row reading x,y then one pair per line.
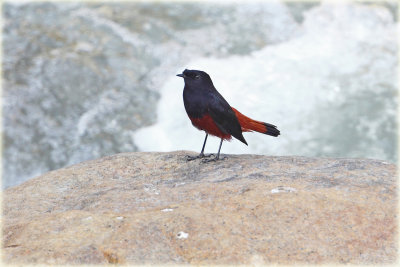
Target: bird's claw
x,y
190,158
212,159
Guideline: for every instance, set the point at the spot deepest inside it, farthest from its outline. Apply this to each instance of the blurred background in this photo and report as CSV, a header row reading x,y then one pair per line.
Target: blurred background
x,y
85,80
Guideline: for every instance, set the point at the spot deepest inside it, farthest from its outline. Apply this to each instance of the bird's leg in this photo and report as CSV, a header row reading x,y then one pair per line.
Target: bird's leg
x,y
189,158
217,157
219,149
204,145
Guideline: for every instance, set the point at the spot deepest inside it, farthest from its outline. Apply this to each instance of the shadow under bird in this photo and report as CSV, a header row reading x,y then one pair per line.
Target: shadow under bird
x,y
210,112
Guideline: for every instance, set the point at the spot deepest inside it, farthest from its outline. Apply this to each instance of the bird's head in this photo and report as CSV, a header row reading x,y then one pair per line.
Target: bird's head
x,y
195,77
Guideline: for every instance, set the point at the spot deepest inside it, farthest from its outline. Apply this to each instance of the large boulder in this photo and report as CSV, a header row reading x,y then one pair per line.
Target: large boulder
x,y
158,208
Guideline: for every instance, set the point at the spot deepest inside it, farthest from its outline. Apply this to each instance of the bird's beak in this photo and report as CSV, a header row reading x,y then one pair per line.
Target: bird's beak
x,y
181,75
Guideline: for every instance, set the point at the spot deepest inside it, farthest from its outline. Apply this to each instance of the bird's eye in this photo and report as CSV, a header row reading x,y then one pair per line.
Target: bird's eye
x,y
197,76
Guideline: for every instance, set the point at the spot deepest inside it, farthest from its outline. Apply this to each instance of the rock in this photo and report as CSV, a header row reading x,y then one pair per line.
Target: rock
x,y
142,208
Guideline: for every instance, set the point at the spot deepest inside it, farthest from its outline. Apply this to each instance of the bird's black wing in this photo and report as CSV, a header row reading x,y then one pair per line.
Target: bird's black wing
x,y
224,117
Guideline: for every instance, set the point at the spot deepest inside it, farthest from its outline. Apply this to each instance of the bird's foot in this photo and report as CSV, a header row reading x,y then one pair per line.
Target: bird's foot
x,y
190,158
212,159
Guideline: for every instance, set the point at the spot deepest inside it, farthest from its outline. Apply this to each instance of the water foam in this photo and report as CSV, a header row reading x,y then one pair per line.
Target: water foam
x,y
322,88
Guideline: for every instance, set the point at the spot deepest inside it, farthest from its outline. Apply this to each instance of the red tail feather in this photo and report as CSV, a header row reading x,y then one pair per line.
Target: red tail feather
x,y
249,125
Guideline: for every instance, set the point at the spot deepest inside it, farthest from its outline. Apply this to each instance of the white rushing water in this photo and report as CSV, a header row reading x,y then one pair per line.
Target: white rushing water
x,y
330,89
82,81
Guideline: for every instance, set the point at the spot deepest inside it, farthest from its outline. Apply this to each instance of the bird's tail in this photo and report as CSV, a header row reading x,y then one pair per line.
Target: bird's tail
x,y
249,125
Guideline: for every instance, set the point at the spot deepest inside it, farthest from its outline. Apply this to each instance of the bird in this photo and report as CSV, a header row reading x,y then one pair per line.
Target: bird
x,y
210,112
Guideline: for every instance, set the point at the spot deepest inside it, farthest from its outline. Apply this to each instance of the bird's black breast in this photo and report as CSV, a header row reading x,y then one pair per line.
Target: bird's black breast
x,y
195,101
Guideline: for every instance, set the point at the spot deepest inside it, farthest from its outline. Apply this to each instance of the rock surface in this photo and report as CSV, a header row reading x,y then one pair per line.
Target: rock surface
x,y
157,208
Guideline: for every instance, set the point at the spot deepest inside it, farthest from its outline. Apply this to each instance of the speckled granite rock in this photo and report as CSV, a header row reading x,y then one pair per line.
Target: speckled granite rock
x,y
158,208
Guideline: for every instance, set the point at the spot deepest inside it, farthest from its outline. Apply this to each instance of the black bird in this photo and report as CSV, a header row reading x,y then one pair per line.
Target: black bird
x,y
210,112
